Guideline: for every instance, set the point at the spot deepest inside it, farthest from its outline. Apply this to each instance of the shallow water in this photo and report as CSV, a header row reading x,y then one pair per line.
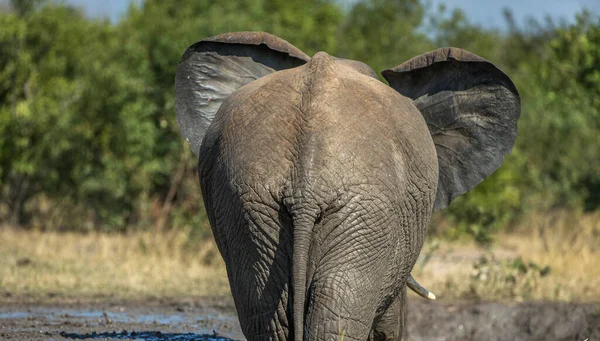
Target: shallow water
x,y
59,315
148,336
181,323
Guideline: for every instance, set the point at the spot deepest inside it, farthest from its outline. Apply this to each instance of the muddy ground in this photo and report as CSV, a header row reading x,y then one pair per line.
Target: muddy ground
x,y
215,320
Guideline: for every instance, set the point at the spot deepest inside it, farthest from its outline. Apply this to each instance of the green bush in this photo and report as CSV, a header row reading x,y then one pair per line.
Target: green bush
x,y
89,138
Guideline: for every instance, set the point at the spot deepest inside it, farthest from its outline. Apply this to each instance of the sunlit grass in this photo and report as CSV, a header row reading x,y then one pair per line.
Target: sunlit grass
x,y
514,267
43,266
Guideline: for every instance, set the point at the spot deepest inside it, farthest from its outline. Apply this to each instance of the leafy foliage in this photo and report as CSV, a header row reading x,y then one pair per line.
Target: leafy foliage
x,y
87,107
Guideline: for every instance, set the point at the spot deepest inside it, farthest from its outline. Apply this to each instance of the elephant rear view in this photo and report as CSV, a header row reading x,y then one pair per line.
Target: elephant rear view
x,y
319,180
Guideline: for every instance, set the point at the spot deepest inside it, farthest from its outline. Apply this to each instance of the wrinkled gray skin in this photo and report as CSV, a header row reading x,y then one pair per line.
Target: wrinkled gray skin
x,y
319,180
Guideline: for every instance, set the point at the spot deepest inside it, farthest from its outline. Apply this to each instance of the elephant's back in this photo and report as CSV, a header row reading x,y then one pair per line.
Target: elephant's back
x,y
358,132
320,121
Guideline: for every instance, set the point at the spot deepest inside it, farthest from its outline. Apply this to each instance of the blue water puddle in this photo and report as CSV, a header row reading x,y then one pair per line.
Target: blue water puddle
x,y
147,336
203,326
55,314
14,315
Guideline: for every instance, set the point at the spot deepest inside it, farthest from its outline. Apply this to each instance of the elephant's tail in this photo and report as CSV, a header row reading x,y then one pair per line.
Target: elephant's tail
x,y
303,227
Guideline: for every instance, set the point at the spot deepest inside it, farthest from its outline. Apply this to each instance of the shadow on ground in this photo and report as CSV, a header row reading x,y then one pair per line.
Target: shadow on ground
x,y
147,336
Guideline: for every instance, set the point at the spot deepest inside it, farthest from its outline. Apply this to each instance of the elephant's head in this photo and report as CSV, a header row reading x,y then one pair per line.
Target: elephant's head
x,y
469,105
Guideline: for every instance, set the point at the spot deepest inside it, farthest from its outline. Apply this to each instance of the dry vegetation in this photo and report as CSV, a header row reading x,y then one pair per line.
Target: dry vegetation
x,y
46,266
551,257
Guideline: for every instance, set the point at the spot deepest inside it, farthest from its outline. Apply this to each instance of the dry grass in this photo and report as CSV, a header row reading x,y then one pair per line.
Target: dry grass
x,y
44,266
570,244
513,269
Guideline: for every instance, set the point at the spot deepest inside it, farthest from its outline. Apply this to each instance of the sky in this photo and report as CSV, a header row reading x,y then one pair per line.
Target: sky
x,y
489,13
484,12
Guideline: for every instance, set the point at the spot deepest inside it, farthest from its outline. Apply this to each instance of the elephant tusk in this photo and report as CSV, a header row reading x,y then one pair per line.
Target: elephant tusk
x,y
416,287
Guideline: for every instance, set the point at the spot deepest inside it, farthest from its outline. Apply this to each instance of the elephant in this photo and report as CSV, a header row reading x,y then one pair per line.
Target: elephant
x,y
319,180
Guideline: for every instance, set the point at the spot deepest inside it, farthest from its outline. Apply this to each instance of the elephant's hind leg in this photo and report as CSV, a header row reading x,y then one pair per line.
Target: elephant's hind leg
x,y
392,324
338,311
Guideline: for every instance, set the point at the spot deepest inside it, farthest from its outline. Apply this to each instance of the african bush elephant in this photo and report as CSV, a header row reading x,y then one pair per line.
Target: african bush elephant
x,y
319,180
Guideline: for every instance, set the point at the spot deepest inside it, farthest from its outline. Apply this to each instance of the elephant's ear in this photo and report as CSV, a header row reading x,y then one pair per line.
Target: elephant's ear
x,y
471,108
213,68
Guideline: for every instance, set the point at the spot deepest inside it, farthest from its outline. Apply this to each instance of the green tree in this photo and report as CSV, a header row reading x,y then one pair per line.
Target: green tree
x,y
24,7
88,122
383,33
562,127
87,111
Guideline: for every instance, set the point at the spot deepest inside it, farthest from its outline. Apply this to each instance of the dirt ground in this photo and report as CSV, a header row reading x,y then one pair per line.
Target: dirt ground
x,y
215,320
